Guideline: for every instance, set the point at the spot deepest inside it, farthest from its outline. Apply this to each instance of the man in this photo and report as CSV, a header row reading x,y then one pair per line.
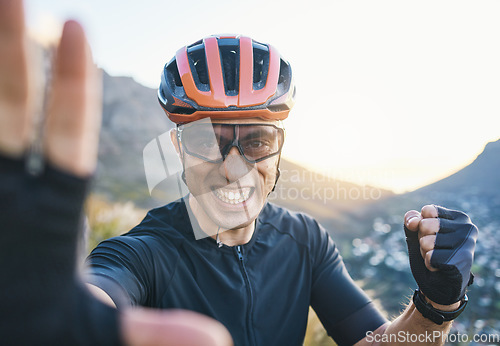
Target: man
x,y
225,252
42,300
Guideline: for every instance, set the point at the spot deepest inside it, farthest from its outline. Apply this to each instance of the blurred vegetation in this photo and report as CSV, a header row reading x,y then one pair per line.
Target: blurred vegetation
x,y
316,335
107,219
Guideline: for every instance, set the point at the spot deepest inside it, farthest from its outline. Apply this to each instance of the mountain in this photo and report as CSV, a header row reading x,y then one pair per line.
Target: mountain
x,y
131,119
480,179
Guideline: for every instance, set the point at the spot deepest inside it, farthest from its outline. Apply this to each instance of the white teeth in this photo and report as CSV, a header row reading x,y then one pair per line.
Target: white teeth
x,y
233,197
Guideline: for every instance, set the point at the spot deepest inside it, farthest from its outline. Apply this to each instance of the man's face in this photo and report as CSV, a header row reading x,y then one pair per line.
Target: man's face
x,y
230,193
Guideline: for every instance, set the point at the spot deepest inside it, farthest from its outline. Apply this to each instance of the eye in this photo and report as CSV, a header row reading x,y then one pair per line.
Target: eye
x,y
257,144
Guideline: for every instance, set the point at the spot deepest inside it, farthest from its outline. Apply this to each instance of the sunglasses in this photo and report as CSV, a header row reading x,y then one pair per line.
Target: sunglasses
x,y
213,142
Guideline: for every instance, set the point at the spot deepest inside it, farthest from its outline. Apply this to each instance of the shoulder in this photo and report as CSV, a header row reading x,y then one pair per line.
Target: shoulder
x,y
163,227
173,215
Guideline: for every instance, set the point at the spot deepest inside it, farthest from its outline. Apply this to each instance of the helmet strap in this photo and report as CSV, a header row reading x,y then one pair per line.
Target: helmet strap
x,y
278,173
181,153
183,175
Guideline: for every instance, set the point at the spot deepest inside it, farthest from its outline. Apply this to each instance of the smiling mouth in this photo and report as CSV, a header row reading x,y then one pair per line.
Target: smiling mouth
x,y
233,196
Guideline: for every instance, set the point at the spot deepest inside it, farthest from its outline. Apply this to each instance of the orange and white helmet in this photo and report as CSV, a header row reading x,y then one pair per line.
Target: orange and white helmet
x,y
225,77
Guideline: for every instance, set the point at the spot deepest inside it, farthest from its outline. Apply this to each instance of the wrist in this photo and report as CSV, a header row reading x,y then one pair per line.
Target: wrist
x,y
434,314
451,307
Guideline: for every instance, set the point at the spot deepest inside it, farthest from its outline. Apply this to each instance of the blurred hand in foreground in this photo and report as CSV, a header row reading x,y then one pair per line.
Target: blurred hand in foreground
x,y
40,214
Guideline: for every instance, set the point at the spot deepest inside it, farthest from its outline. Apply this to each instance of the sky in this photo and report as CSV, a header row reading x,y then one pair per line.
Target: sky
x,y
396,94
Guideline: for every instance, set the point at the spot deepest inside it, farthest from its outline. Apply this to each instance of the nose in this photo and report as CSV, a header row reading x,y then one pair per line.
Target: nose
x,y
234,166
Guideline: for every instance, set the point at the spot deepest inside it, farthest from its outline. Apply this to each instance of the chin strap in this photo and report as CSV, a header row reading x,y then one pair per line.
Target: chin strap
x,y
183,175
217,239
181,153
278,173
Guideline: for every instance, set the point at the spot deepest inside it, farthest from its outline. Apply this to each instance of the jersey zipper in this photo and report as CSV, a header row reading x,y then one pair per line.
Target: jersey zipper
x,y
251,333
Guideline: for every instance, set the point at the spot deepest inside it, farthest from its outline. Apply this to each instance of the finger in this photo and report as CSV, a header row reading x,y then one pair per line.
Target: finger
x,y
12,36
13,79
172,327
427,260
427,244
73,119
428,227
11,17
429,211
412,219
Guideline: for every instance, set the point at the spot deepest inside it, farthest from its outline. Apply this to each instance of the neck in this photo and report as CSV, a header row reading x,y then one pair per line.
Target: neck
x,y
229,237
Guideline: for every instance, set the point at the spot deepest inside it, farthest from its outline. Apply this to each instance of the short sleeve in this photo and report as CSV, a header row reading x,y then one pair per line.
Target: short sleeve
x,y
344,309
120,267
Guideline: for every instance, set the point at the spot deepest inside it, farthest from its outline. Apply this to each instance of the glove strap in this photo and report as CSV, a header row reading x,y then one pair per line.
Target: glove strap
x,y
433,314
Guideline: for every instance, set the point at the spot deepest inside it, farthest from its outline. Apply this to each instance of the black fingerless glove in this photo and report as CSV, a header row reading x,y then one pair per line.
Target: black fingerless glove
x,y
42,301
453,255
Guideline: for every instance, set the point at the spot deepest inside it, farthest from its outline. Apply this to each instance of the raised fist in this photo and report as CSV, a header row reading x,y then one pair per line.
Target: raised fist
x,y
441,246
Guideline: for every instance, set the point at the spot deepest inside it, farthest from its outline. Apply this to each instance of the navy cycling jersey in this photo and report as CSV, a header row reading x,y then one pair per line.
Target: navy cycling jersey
x,y
261,291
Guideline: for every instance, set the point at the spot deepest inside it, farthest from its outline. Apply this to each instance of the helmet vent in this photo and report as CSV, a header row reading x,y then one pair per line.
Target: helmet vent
x,y
173,74
260,65
285,75
198,63
230,56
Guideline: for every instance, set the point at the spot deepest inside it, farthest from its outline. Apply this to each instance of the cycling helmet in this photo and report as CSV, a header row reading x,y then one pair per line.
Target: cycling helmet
x,y
226,77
